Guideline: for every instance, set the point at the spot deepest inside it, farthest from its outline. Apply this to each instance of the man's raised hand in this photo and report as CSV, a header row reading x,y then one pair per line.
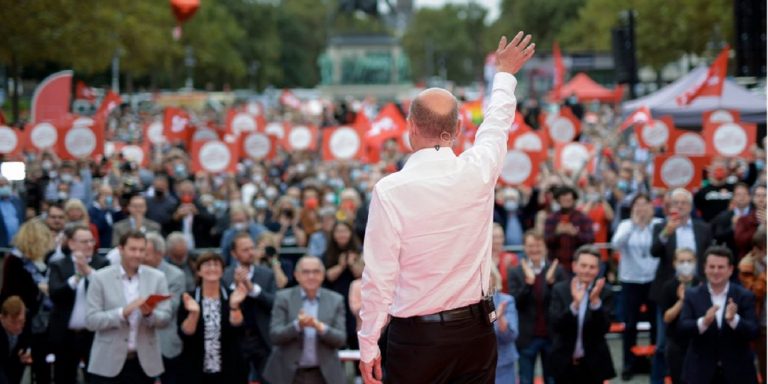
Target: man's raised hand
x,y
510,57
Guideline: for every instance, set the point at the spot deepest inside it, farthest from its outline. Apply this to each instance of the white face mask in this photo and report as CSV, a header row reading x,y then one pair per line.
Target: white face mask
x,y
240,226
686,268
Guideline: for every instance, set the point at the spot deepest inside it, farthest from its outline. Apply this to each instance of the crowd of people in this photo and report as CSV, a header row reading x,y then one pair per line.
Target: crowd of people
x,y
256,275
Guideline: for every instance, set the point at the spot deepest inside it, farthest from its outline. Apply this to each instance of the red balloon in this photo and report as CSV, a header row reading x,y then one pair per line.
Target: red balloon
x,y
184,9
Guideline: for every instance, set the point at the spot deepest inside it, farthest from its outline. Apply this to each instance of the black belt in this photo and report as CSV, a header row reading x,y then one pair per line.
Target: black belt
x,y
471,311
307,369
131,355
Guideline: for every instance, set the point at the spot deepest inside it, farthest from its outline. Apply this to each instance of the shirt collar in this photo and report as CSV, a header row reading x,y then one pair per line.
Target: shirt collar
x,y
304,294
89,259
124,274
429,154
725,291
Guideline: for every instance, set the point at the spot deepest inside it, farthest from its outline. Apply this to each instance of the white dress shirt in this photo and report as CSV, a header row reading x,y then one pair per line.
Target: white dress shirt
x,y
634,242
131,293
256,290
721,300
77,283
428,239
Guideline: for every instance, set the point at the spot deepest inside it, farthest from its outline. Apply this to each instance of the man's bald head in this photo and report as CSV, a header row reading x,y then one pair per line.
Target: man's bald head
x,y
433,112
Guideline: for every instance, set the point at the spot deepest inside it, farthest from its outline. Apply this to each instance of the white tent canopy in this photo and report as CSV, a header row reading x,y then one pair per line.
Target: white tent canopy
x,y
662,102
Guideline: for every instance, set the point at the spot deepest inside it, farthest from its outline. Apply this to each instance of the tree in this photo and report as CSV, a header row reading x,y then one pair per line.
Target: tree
x,y
302,26
543,19
447,39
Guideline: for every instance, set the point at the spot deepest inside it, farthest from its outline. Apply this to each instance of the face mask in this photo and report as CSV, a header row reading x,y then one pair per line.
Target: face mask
x,y
47,164
62,195
66,177
719,173
180,171
593,197
311,203
511,206
322,177
260,204
555,207
239,226
685,268
363,186
330,198
159,193
5,191
108,201
301,168
622,185
760,164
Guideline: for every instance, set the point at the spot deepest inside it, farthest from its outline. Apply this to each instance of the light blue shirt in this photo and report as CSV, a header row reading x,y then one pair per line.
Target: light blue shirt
x,y
685,237
10,218
309,335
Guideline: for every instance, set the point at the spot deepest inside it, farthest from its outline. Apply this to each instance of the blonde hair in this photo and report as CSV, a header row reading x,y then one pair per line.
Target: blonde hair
x,y
496,282
77,204
34,239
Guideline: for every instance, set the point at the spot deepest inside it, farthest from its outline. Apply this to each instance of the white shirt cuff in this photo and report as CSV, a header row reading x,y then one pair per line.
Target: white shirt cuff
x,y
255,292
72,282
597,306
119,312
700,324
735,322
574,309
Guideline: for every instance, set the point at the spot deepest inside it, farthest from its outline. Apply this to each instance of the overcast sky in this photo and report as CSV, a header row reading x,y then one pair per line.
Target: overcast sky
x,y
491,5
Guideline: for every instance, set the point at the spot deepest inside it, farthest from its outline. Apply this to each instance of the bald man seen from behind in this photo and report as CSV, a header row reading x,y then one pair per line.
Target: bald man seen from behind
x,y
428,242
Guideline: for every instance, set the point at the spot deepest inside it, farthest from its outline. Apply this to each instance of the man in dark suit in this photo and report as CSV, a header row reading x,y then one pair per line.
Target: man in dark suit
x,y
719,318
724,224
136,220
679,230
13,343
579,319
531,285
308,327
68,282
260,282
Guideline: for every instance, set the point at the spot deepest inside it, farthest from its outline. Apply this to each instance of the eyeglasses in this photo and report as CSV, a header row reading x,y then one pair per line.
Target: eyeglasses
x,y
89,241
310,271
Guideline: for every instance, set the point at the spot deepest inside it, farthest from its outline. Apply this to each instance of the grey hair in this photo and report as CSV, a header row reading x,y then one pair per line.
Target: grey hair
x,y
158,243
682,192
176,237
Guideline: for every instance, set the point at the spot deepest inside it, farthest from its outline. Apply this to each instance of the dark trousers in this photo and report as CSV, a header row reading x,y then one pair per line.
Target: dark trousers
x,y
634,296
462,351
255,354
539,346
41,371
675,355
659,365
308,376
132,373
75,348
578,373
171,373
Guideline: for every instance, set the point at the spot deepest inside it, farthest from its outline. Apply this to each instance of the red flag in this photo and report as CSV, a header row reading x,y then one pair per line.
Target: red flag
x,y
52,98
564,127
641,116
108,103
240,122
81,137
730,139
258,145
712,85
673,171
300,137
389,124
176,124
520,168
655,133
84,92
559,79
216,156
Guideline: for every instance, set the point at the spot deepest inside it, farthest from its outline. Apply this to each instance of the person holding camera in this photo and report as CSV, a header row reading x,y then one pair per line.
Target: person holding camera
x,y
259,282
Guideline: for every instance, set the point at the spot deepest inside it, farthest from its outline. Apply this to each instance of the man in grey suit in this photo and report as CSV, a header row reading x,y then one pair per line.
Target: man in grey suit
x,y
260,282
170,342
126,347
137,208
307,329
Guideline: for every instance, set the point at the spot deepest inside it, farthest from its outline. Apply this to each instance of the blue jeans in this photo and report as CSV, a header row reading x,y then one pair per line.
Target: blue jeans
x,y
527,360
659,364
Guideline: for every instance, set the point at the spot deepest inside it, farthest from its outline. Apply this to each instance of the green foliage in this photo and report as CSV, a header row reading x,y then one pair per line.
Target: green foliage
x,y
451,37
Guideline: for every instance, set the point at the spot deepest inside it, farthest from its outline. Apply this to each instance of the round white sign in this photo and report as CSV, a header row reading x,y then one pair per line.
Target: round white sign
x,y
655,134
677,171
300,138
80,142
133,153
243,122
730,139
275,129
529,141
257,145
690,144
517,167
155,133
562,130
573,156
8,140
44,135
721,116
214,156
344,143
